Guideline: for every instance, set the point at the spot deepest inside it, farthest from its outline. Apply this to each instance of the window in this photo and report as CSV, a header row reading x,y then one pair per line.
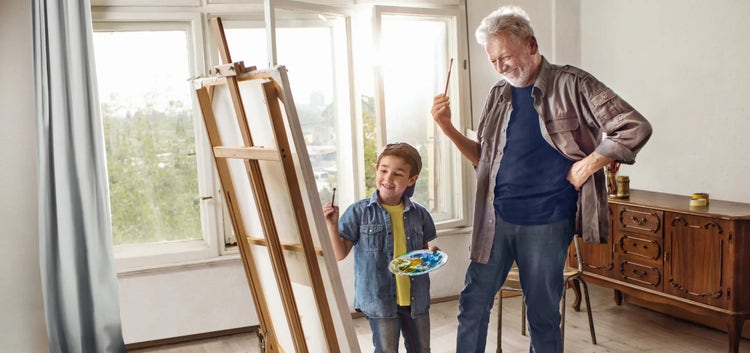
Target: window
x,y
415,47
308,50
312,46
158,194
150,140
361,76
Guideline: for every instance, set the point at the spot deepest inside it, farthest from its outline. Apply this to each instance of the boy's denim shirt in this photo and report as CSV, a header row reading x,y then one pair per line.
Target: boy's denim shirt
x,y
368,226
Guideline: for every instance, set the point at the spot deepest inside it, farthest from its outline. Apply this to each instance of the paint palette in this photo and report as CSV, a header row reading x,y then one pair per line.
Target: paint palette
x,y
418,262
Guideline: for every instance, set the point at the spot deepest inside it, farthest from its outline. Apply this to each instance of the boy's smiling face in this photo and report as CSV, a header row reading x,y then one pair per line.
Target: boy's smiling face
x,y
392,178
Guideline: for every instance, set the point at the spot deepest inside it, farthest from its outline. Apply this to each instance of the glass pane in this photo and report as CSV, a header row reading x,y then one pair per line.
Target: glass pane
x,y
370,144
247,45
149,136
308,50
308,54
414,65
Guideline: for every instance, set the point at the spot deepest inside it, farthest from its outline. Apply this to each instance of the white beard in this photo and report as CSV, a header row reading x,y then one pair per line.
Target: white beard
x,y
520,80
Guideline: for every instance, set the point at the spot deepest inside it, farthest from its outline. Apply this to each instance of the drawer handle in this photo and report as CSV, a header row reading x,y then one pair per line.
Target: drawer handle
x,y
638,221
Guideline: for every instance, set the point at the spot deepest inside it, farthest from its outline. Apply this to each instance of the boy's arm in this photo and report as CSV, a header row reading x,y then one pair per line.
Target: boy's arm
x,y
341,246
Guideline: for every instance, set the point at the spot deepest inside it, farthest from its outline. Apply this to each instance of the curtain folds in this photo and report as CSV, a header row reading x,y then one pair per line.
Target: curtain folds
x,y
79,282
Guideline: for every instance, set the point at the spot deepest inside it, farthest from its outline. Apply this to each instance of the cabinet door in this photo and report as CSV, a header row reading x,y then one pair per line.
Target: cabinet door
x,y
696,263
596,258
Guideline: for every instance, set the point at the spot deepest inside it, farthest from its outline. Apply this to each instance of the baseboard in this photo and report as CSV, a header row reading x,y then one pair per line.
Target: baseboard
x,y
190,338
254,328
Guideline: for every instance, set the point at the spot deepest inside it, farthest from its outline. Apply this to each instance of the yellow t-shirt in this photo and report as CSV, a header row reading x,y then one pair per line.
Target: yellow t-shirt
x,y
403,283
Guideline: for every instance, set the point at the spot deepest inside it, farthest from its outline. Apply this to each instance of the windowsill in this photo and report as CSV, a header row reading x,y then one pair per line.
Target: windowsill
x,y
180,266
454,231
129,251
234,256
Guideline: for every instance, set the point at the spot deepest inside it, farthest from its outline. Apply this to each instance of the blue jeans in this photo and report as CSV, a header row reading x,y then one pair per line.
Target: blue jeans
x,y
540,252
416,331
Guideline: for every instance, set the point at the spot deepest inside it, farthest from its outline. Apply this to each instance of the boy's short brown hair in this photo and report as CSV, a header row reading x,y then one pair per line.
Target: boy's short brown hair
x,y
406,152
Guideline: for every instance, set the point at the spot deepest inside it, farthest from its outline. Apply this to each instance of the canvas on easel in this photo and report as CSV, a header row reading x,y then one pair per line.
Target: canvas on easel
x,y
269,187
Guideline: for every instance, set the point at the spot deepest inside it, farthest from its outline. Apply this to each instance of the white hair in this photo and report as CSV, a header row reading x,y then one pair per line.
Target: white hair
x,y
508,18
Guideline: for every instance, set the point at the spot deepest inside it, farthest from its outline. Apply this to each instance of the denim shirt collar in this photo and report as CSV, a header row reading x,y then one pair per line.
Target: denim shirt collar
x,y
375,200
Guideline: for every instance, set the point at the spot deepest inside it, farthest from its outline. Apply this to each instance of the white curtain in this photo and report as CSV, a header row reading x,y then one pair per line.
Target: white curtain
x,y
79,282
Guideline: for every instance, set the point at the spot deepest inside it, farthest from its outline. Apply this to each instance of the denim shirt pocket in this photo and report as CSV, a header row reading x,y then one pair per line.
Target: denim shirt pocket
x,y
416,238
372,237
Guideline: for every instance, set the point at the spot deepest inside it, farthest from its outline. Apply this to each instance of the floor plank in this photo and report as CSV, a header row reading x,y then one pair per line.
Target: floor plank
x,y
619,329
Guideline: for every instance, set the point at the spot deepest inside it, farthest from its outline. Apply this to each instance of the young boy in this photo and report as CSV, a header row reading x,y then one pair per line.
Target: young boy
x,y
380,228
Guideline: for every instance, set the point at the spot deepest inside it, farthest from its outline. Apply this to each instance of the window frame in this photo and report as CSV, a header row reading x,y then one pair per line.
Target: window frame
x,y
349,184
460,106
149,255
347,106
193,17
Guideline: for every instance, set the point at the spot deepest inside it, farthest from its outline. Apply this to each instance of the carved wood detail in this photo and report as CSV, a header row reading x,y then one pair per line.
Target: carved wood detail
x,y
717,230
714,295
607,267
641,219
640,273
636,246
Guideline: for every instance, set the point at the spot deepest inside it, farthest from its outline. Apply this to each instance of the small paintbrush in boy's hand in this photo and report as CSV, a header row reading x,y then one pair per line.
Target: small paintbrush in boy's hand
x,y
333,198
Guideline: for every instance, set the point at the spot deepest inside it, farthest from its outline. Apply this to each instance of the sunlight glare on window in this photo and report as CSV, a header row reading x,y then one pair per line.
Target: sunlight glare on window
x,y
414,60
307,54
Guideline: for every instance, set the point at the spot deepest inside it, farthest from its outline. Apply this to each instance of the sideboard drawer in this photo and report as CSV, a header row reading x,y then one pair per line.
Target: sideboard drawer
x,y
644,248
640,258
639,219
641,274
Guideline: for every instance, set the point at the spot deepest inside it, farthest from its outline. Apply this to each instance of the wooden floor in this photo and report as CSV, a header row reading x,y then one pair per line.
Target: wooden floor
x,y
619,329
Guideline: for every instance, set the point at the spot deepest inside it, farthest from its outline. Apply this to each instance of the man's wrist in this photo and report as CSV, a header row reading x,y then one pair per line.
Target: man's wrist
x,y
596,161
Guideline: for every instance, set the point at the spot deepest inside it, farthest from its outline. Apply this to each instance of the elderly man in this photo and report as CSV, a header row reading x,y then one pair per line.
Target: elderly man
x,y
539,160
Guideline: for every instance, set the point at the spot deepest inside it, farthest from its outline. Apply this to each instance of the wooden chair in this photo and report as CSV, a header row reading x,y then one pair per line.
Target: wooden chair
x,y
572,276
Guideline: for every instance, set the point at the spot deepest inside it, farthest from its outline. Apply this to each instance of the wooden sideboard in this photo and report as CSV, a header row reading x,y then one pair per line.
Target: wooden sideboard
x,y
662,251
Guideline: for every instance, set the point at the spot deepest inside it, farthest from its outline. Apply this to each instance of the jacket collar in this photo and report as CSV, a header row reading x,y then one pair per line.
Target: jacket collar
x,y
374,200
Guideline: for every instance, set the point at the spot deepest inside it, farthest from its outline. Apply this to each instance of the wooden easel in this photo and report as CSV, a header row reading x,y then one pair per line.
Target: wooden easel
x,y
266,181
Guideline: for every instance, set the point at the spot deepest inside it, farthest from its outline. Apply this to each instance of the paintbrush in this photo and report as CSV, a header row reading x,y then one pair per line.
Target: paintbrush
x,y
448,80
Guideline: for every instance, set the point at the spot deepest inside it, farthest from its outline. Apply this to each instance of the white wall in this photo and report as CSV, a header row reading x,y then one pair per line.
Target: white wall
x,y
22,327
680,63
184,301
683,64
